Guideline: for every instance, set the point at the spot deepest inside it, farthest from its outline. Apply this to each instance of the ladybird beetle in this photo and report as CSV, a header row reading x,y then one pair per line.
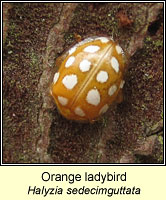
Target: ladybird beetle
x,y
89,79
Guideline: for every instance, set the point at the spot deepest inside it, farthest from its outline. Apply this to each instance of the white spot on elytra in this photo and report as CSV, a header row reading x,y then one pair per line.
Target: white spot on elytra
x,y
93,97
91,39
70,61
115,64
112,90
85,65
103,39
85,41
91,49
70,81
102,76
78,111
119,49
62,100
72,50
103,109
122,84
56,76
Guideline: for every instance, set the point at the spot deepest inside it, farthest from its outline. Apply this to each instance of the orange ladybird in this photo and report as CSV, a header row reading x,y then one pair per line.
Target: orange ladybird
x,y
89,79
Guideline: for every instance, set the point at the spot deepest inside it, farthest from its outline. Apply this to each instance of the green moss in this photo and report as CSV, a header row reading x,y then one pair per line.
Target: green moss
x,y
34,59
160,157
90,23
153,45
160,139
69,38
29,26
104,121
